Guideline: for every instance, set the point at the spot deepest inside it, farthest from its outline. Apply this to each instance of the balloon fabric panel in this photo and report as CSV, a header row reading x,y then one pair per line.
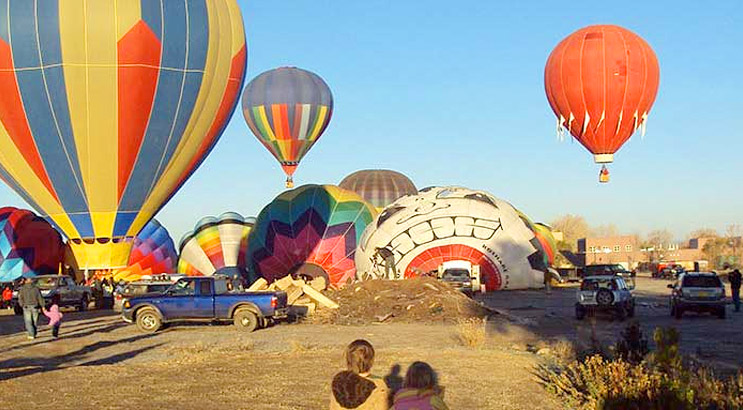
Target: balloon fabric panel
x,y
308,230
119,103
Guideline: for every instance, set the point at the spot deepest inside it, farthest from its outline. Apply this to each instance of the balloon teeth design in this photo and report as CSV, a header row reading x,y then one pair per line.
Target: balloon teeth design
x,y
443,228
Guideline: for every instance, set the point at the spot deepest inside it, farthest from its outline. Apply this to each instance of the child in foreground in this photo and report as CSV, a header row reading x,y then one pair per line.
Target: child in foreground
x,y
54,315
356,388
420,390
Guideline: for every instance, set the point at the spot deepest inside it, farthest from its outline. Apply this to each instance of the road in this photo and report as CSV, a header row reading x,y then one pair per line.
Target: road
x,y
714,341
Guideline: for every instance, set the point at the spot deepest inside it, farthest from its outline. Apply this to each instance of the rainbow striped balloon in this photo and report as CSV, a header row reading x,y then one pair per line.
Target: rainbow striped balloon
x,y
312,230
214,244
109,106
29,246
287,109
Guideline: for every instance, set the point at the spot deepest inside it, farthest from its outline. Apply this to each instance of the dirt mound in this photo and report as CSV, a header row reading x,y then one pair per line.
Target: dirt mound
x,y
418,300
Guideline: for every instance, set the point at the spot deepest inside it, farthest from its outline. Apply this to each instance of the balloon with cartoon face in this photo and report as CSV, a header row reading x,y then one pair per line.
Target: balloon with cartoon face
x,y
418,233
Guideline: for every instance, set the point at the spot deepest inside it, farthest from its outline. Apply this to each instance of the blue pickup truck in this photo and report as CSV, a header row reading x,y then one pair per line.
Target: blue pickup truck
x,y
206,299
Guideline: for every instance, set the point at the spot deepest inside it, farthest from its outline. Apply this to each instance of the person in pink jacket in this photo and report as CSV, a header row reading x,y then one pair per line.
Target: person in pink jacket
x,y
54,315
420,390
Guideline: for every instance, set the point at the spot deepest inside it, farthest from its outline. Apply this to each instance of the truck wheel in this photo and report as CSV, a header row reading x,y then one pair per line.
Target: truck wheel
x,y
245,320
83,303
604,297
148,321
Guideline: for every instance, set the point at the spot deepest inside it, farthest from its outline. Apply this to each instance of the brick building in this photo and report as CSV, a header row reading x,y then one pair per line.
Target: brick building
x,y
627,251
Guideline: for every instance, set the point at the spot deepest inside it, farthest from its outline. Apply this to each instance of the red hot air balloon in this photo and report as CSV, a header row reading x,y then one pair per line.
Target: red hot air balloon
x,y
601,82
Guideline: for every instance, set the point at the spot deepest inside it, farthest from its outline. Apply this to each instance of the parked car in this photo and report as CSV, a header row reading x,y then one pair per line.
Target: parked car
x,y
606,269
205,299
70,293
139,288
604,293
697,292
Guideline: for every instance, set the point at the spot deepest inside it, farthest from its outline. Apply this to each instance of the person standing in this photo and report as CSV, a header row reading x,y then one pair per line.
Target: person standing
x,y
7,297
735,279
54,315
30,299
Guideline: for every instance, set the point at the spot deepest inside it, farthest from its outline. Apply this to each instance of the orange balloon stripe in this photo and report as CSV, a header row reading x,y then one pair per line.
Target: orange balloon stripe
x,y
12,115
139,54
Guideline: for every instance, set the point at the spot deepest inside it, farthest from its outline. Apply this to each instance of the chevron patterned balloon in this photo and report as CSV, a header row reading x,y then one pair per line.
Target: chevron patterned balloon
x,y
29,246
312,230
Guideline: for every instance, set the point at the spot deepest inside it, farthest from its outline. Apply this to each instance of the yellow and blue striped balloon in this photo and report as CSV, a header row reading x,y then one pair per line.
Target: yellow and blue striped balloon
x,y
108,106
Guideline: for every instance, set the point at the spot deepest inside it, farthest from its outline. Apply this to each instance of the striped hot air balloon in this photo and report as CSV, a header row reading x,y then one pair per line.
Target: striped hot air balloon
x,y
287,109
380,187
215,244
109,106
312,230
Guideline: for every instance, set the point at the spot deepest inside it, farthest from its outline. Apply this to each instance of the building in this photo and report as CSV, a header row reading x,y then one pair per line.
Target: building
x,y
627,251
624,250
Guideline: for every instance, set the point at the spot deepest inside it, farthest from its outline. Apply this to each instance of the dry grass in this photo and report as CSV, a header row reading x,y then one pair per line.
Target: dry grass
x,y
471,333
564,351
296,346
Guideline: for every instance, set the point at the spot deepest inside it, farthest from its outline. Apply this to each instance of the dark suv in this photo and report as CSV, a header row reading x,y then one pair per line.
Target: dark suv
x,y
698,292
605,270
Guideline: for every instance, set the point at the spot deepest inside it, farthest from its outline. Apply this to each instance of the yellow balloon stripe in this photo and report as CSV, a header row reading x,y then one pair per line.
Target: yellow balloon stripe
x,y
102,102
128,13
322,113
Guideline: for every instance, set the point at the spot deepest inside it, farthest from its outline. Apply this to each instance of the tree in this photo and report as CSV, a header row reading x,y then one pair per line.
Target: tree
x,y
654,243
703,233
605,230
573,227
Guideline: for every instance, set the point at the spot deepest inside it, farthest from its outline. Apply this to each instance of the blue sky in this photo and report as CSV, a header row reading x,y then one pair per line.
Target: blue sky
x,y
452,93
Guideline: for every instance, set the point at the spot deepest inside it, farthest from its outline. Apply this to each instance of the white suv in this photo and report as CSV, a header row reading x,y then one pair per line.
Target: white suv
x,y
604,293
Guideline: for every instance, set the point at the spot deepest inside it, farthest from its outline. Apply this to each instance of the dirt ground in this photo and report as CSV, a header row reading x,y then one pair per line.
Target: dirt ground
x,y
100,362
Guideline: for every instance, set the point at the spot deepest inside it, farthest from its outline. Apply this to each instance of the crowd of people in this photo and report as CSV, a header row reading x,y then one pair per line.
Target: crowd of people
x,y
359,388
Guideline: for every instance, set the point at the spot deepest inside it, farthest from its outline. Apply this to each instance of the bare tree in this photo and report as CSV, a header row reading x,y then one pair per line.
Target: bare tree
x,y
573,227
703,233
605,230
655,242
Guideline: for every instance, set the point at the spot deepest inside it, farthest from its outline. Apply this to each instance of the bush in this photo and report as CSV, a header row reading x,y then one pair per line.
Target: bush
x,y
659,381
471,333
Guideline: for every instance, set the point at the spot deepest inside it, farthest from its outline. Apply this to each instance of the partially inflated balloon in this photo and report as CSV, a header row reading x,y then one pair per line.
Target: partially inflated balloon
x,y
215,243
547,240
312,230
153,253
380,187
287,109
108,107
443,224
28,245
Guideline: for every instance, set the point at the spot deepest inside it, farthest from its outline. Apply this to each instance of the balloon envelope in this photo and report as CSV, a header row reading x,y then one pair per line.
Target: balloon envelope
x,y
311,230
215,243
153,253
287,109
601,82
380,187
108,107
29,246
442,224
